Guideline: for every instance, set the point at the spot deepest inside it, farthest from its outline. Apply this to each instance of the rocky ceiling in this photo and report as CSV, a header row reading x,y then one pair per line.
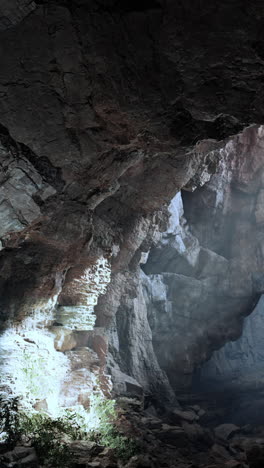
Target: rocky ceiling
x,y
107,110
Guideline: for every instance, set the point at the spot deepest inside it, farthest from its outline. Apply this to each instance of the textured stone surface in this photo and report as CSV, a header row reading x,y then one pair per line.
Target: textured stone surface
x,y
131,342
14,11
240,362
107,110
204,275
226,431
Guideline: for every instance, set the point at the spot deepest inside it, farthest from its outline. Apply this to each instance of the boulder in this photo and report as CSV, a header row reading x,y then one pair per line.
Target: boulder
x,y
152,423
82,358
19,457
140,461
179,415
220,452
226,431
172,435
197,433
64,339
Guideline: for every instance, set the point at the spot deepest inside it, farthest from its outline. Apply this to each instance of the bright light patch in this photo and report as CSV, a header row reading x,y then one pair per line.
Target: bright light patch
x,y
88,288
33,370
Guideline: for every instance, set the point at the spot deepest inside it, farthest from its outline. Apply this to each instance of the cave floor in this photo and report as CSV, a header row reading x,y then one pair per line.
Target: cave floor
x,y
182,437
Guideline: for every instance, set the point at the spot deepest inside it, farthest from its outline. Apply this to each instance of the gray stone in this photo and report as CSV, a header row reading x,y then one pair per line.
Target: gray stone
x,y
172,435
179,415
226,431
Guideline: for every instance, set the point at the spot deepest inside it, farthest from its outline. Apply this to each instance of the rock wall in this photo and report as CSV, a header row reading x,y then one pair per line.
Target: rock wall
x,y
108,109
239,362
205,274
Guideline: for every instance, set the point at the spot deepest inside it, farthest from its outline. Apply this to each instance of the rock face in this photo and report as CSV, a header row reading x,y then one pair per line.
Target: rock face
x,y
240,360
108,109
205,274
131,345
14,11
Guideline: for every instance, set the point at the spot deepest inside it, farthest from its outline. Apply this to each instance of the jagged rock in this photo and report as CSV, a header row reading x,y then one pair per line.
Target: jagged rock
x,y
130,403
179,416
82,357
105,115
30,461
173,435
124,384
12,12
64,339
111,155
234,464
220,452
94,464
239,365
226,431
131,333
197,433
20,457
85,447
152,423
140,462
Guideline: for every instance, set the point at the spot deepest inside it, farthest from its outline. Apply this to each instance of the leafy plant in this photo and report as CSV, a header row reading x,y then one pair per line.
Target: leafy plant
x,y
51,437
108,435
123,446
9,421
46,435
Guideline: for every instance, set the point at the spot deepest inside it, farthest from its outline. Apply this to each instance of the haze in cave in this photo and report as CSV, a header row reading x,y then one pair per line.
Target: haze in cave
x,y
131,234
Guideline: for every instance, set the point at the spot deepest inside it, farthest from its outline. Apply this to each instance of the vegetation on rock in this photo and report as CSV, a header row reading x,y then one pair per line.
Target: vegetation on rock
x,y
52,437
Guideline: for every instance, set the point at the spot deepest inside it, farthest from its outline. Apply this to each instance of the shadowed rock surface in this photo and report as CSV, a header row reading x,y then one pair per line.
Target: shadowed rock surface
x,y
108,109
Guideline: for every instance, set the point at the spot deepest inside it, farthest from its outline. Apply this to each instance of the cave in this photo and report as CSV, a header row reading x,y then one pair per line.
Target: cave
x,y
131,234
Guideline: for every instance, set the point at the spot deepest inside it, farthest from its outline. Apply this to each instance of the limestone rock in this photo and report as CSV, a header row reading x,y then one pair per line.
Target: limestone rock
x,y
126,385
92,152
82,358
64,339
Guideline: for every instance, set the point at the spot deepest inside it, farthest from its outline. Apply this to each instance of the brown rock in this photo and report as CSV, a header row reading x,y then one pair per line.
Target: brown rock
x,y
82,358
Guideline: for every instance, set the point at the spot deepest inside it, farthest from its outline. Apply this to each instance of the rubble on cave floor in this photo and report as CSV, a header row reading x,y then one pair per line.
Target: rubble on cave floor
x,y
171,438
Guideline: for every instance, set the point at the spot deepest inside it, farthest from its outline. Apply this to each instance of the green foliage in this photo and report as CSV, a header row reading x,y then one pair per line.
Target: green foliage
x,y
9,421
123,446
108,434
51,437
47,436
